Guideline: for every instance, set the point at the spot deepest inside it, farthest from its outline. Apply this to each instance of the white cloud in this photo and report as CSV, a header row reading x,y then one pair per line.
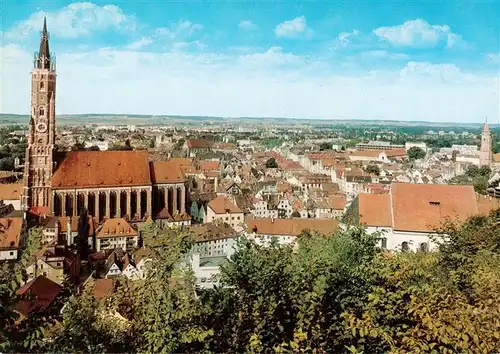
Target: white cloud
x,y
247,25
181,29
383,54
446,73
345,37
293,28
419,33
177,36
141,43
74,20
269,83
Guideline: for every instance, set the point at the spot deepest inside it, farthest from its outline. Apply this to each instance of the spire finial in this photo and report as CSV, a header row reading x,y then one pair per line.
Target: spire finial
x,y
44,31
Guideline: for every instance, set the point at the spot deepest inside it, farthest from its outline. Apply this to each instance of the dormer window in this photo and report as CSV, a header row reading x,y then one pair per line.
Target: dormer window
x,y
435,203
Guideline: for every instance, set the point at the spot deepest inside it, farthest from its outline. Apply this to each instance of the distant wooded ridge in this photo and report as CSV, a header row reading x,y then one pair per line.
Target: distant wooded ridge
x,y
6,118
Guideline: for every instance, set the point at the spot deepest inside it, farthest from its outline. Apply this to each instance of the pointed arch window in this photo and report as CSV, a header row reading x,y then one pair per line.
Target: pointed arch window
x,y
42,111
42,86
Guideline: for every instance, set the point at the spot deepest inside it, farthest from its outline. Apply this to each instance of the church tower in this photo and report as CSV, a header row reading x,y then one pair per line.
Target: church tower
x,y
41,139
485,156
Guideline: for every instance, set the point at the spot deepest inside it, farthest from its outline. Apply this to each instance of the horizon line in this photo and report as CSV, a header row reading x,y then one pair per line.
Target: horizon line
x,y
250,117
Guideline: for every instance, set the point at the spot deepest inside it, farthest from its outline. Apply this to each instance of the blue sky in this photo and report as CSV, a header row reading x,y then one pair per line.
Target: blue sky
x,y
404,60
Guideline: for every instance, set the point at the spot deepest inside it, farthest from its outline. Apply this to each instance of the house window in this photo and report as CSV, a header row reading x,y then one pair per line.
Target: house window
x,y
405,247
11,253
384,242
424,247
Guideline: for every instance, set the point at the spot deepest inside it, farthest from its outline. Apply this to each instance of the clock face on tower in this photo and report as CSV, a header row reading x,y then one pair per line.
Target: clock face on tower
x,y
41,126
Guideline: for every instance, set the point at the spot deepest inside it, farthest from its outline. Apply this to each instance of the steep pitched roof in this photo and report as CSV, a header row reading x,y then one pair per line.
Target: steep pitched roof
x,y
375,210
222,205
166,172
424,207
292,227
116,227
337,202
198,144
10,232
209,165
10,191
212,231
486,204
102,169
43,292
102,287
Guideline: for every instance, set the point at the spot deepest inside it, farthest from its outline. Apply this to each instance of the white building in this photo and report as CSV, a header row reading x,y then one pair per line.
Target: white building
x,y
222,208
206,271
11,239
409,145
411,213
116,233
285,231
262,209
102,145
11,194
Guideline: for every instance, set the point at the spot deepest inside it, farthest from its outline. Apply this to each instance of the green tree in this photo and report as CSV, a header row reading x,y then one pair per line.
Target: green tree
x,y
194,210
472,171
78,146
484,171
271,163
373,169
480,184
415,153
325,146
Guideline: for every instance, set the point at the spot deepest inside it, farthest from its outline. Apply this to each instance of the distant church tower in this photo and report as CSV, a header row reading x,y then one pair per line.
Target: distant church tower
x,y
41,139
485,156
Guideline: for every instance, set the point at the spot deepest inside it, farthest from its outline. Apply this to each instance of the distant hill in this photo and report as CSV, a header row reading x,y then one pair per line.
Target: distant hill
x,y
138,119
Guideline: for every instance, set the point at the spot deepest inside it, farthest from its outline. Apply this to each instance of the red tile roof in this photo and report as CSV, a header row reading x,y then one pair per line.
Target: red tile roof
x,y
166,172
102,169
198,144
222,205
10,191
337,202
102,287
425,207
291,227
42,292
375,210
116,227
419,207
209,165
487,204
10,232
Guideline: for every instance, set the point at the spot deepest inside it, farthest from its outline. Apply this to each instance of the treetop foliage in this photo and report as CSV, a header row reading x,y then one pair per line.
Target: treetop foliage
x,y
338,293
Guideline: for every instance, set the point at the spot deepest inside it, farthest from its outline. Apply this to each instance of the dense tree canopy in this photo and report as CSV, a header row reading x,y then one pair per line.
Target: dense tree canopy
x,y
330,294
271,163
415,153
373,169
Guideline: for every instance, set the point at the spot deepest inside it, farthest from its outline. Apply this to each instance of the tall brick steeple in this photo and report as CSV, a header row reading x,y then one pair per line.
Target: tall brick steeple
x,y
39,153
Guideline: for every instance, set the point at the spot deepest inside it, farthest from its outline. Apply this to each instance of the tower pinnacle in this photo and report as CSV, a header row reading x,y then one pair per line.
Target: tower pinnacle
x,y
43,55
